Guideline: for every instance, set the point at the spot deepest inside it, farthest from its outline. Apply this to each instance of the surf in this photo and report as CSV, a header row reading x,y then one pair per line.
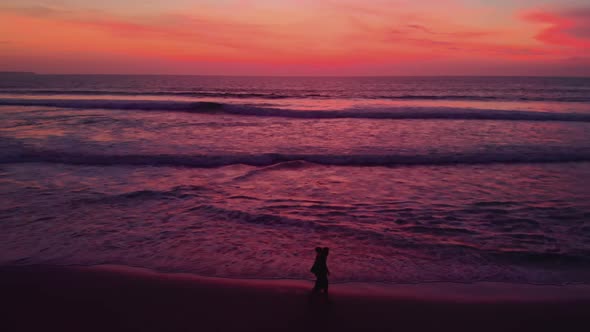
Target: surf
x,y
30,155
376,113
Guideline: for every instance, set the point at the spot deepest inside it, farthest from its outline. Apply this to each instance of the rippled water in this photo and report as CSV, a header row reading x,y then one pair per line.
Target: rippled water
x,y
406,179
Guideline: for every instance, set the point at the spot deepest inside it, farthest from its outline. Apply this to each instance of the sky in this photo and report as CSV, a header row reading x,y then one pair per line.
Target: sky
x,y
297,37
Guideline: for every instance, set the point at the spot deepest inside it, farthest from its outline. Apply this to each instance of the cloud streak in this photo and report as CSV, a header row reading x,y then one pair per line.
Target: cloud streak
x,y
317,34
565,28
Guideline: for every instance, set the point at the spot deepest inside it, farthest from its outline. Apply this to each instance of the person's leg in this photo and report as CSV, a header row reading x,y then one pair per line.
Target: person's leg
x,y
318,285
323,283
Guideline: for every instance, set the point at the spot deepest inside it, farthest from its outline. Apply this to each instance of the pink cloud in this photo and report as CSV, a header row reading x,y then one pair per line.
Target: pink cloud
x,y
318,35
173,27
565,28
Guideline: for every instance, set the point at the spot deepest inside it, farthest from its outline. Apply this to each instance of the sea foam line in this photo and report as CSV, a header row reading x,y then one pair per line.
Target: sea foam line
x,y
302,95
391,113
269,159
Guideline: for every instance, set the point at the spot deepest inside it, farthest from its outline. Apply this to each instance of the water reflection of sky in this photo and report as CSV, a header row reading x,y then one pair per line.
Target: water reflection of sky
x,y
319,104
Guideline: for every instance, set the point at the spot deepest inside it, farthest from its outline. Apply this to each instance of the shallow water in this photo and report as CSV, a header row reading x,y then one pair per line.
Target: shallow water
x,y
405,179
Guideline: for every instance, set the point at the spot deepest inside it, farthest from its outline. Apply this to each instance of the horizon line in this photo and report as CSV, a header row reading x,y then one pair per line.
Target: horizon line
x,y
22,72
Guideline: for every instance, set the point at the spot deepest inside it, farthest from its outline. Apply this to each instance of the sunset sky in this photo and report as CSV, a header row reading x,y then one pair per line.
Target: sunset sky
x,y
297,37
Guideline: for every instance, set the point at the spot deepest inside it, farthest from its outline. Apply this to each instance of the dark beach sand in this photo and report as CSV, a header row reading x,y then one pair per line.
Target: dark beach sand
x,y
44,298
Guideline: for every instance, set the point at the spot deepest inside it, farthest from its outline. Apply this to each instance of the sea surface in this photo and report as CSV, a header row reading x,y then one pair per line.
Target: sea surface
x,y
406,179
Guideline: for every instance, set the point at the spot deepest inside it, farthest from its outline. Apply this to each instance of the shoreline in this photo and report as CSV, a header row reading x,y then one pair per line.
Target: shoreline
x,y
120,298
479,291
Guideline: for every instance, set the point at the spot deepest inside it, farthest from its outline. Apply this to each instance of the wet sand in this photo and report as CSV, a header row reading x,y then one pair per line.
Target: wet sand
x,y
107,298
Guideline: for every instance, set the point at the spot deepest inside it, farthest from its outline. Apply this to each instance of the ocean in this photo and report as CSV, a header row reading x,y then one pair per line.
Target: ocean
x,y
406,179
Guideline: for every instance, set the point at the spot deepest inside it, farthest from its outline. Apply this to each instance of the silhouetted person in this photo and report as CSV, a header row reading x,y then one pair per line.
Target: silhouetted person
x,y
320,269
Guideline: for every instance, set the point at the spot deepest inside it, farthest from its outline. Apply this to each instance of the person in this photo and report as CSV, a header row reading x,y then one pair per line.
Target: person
x,y
320,269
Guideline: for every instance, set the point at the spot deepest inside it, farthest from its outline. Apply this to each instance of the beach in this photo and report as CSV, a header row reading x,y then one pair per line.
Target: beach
x,y
220,165
447,203
111,298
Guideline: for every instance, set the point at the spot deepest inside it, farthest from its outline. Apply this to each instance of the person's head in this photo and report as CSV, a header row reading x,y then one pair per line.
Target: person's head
x,y
318,250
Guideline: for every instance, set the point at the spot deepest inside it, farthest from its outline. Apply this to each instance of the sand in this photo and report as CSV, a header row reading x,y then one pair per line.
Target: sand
x,y
108,298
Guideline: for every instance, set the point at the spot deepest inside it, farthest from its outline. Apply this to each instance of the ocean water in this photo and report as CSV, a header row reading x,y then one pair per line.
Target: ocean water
x,y
406,179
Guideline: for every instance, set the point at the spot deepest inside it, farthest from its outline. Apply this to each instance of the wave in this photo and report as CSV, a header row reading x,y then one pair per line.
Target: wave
x,y
403,240
288,165
9,155
392,113
302,95
140,105
204,207
216,94
178,192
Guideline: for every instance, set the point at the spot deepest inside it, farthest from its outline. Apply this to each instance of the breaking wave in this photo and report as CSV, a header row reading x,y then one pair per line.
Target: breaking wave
x,y
306,95
291,160
399,113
